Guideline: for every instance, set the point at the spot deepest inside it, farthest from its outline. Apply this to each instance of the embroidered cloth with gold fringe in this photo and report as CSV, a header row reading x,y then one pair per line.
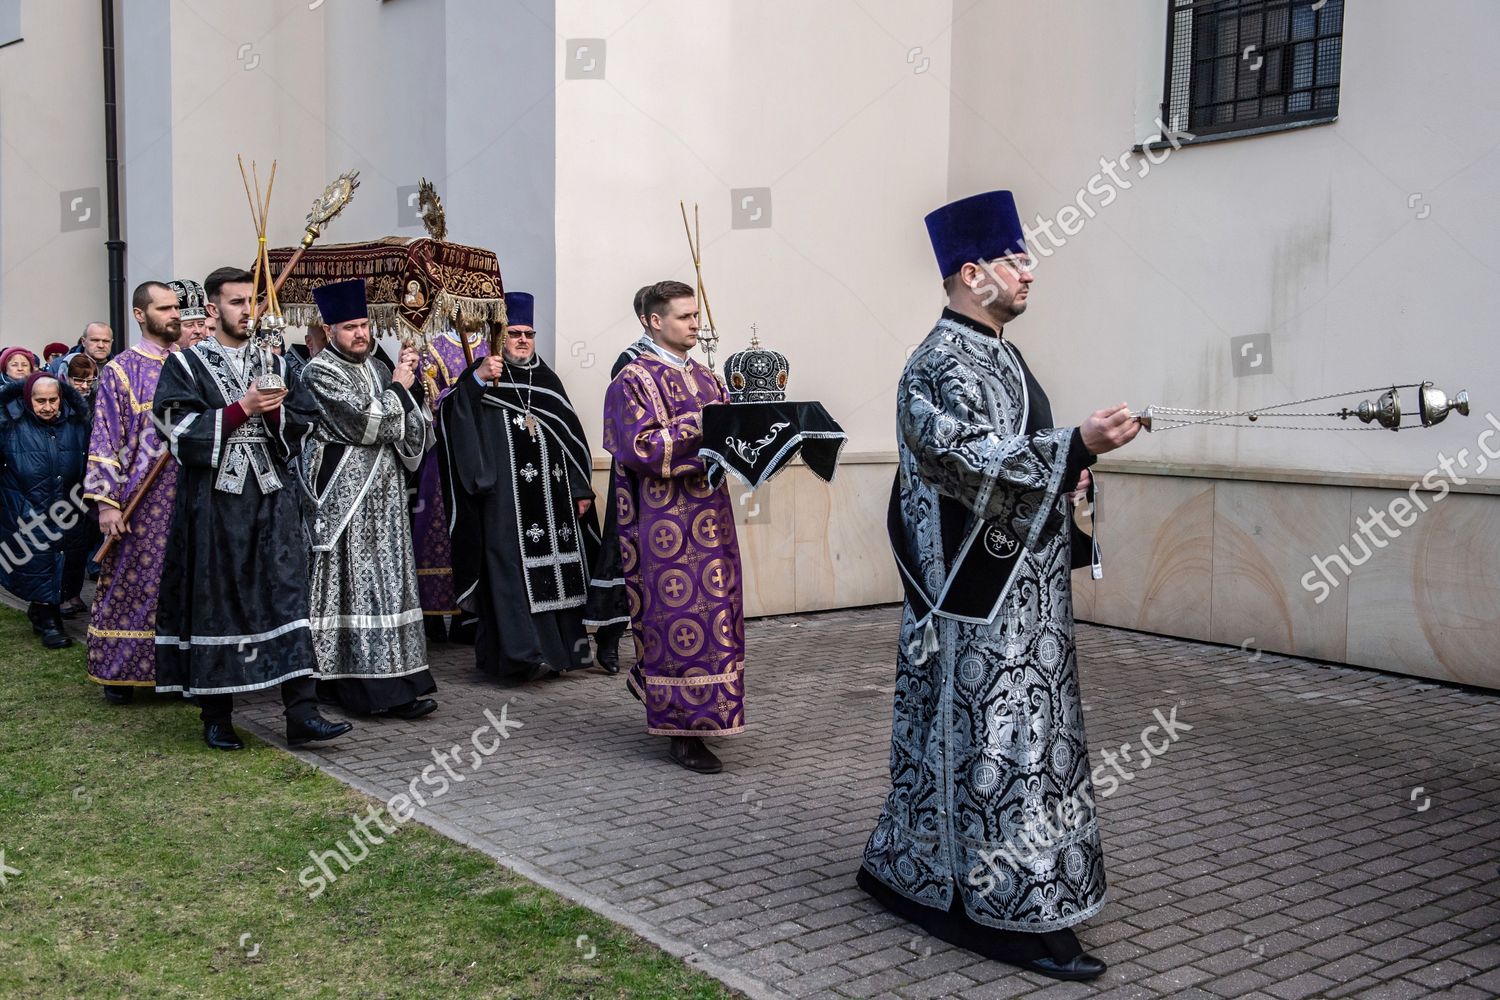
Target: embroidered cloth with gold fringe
x,y
413,285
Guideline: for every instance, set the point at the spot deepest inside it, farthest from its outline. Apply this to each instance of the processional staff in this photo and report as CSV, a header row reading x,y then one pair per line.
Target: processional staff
x,y
328,205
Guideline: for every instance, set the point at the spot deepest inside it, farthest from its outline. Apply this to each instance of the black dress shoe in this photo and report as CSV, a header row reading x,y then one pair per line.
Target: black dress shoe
x,y
115,695
56,638
72,610
609,662
414,709
46,621
690,752
1079,967
221,736
315,729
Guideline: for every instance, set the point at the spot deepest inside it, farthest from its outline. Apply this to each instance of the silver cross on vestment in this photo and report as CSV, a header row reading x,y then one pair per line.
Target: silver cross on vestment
x,y
527,421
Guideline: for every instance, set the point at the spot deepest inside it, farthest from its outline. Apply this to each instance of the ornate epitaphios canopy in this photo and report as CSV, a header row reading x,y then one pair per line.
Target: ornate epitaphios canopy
x,y
414,286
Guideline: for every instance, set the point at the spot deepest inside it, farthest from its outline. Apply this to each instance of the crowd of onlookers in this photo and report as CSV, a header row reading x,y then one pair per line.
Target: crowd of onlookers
x,y
46,413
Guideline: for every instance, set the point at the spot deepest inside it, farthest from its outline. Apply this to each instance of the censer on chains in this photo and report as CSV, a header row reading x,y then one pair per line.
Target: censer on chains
x,y
1385,412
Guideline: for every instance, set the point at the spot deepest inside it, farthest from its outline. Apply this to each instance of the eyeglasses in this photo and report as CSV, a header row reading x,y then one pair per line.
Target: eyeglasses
x,y
521,334
1015,263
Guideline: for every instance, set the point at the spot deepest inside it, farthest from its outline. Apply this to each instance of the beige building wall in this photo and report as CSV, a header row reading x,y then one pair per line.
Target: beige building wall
x,y
247,80
1308,237
198,84
815,103
833,119
52,281
814,137
1365,251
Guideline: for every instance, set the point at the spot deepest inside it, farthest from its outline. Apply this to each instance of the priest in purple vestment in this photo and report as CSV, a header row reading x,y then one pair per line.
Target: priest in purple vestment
x,y
678,548
441,368
123,447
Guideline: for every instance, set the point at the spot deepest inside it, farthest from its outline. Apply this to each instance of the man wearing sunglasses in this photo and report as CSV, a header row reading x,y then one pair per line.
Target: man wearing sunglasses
x,y
521,502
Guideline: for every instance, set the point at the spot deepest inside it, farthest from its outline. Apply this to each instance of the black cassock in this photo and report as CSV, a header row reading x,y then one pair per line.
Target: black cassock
x,y
232,614
521,553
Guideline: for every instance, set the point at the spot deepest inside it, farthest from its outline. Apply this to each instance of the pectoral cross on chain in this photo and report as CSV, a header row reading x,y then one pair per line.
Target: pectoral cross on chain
x,y
528,422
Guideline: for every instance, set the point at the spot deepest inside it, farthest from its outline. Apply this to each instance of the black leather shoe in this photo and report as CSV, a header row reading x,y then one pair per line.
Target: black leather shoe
x,y
690,752
53,634
609,662
414,709
1079,967
115,695
73,609
221,736
56,639
314,730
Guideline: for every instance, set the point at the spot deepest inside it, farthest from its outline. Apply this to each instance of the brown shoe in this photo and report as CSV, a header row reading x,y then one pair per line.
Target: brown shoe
x,y
690,752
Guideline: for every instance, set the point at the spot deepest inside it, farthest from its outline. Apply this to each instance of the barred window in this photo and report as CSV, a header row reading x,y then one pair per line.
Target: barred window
x,y
1244,64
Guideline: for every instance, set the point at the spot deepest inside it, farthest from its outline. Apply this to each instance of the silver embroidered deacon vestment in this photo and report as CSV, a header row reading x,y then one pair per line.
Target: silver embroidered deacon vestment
x,y
368,431
991,795
232,611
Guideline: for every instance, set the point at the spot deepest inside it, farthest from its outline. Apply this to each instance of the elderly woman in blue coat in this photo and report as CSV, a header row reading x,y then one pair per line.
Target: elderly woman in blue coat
x,y
44,437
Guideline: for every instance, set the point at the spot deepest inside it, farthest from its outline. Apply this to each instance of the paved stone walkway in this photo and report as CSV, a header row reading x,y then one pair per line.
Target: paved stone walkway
x,y
1320,832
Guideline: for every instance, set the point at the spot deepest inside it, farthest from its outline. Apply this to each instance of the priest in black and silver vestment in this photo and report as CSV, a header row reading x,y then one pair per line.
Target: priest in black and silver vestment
x,y
232,613
368,431
989,838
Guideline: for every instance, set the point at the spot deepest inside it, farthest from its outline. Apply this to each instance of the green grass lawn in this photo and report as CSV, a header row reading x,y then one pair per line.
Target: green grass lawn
x,y
146,859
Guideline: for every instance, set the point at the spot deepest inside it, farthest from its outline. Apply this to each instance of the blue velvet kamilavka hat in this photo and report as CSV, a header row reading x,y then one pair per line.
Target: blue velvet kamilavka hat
x,y
342,301
520,309
970,230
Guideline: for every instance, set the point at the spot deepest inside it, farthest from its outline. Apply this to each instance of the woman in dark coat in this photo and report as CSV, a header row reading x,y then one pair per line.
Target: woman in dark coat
x,y
44,437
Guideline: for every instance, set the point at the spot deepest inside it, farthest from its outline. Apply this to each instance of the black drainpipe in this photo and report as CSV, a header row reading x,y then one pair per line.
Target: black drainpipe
x,y
115,245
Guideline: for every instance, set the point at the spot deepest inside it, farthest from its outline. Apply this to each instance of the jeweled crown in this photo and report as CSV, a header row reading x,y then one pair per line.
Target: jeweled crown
x,y
756,374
